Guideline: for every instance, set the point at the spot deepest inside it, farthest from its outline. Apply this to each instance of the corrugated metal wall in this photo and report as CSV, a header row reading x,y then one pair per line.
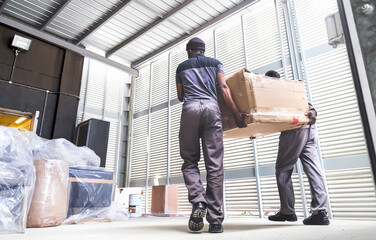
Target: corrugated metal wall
x,y
263,39
102,97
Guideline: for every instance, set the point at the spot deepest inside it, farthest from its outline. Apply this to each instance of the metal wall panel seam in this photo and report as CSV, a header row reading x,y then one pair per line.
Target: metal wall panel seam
x,y
148,140
86,88
131,134
317,140
224,182
280,41
292,29
169,121
120,133
295,43
104,91
254,143
258,180
289,41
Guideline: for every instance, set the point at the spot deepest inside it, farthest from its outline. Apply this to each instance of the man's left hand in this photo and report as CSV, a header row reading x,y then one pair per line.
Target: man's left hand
x,y
312,117
240,120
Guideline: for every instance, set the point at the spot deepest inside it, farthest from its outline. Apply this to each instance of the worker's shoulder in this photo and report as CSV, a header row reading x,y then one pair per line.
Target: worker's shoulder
x,y
198,62
210,61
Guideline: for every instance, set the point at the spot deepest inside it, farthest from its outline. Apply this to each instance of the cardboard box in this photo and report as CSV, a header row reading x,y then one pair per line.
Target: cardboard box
x,y
164,200
272,105
50,200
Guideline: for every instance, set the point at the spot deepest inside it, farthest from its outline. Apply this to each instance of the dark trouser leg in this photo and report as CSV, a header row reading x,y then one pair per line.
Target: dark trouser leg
x,y
212,144
313,170
290,146
189,140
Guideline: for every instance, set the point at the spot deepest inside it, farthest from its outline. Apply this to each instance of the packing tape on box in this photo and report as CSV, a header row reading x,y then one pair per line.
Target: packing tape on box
x,y
90,180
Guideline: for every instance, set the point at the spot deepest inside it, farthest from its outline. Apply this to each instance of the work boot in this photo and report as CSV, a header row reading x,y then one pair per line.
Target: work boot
x,y
196,222
317,219
280,217
215,228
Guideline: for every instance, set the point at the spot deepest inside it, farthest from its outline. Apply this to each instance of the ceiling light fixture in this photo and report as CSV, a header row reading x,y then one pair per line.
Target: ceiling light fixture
x,y
21,43
18,44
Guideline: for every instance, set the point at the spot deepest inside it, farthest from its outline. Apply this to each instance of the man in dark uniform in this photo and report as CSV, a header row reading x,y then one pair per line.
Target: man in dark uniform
x,y
294,144
196,80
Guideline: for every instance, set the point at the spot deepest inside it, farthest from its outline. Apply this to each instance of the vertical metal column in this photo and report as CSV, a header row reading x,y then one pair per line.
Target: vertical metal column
x,y
131,129
86,88
43,111
283,58
119,130
105,91
224,180
215,43
289,38
254,143
297,74
303,61
148,142
169,121
258,180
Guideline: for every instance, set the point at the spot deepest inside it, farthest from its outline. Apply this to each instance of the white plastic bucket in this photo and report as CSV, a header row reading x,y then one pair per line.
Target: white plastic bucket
x,y
135,208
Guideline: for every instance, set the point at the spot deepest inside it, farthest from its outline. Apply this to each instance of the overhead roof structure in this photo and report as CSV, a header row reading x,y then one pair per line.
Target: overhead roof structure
x,y
128,32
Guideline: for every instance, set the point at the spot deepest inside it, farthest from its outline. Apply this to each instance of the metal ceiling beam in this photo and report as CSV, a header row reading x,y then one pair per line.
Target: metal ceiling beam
x,y
2,5
54,15
144,30
179,26
64,44
103,21
150,8
215,20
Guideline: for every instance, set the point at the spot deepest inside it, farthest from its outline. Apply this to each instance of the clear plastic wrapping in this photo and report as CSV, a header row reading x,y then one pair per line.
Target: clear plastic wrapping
x,y
64,150
69,180
17,180
90,197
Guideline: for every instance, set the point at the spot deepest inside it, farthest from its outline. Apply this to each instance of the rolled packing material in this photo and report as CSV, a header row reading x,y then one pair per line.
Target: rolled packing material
x,y
50,201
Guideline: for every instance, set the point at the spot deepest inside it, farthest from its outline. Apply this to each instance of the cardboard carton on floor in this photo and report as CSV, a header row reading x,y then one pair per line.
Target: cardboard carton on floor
x,y
272,105
164,201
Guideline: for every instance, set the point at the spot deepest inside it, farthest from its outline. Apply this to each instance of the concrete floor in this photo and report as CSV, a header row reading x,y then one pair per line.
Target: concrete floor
x,y
164,228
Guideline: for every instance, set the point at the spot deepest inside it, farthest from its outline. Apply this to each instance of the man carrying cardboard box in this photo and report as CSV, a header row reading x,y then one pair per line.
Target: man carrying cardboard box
x,y
294,144
196,80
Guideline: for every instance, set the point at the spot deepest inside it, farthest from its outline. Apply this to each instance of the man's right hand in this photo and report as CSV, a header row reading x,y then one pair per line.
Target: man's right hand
x,y
240,119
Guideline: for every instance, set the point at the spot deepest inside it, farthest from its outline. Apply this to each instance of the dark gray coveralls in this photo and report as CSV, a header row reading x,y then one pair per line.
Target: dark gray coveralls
x,y
294,144
201,118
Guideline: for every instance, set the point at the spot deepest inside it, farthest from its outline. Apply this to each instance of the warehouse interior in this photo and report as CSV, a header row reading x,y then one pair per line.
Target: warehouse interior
x,y
101,74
